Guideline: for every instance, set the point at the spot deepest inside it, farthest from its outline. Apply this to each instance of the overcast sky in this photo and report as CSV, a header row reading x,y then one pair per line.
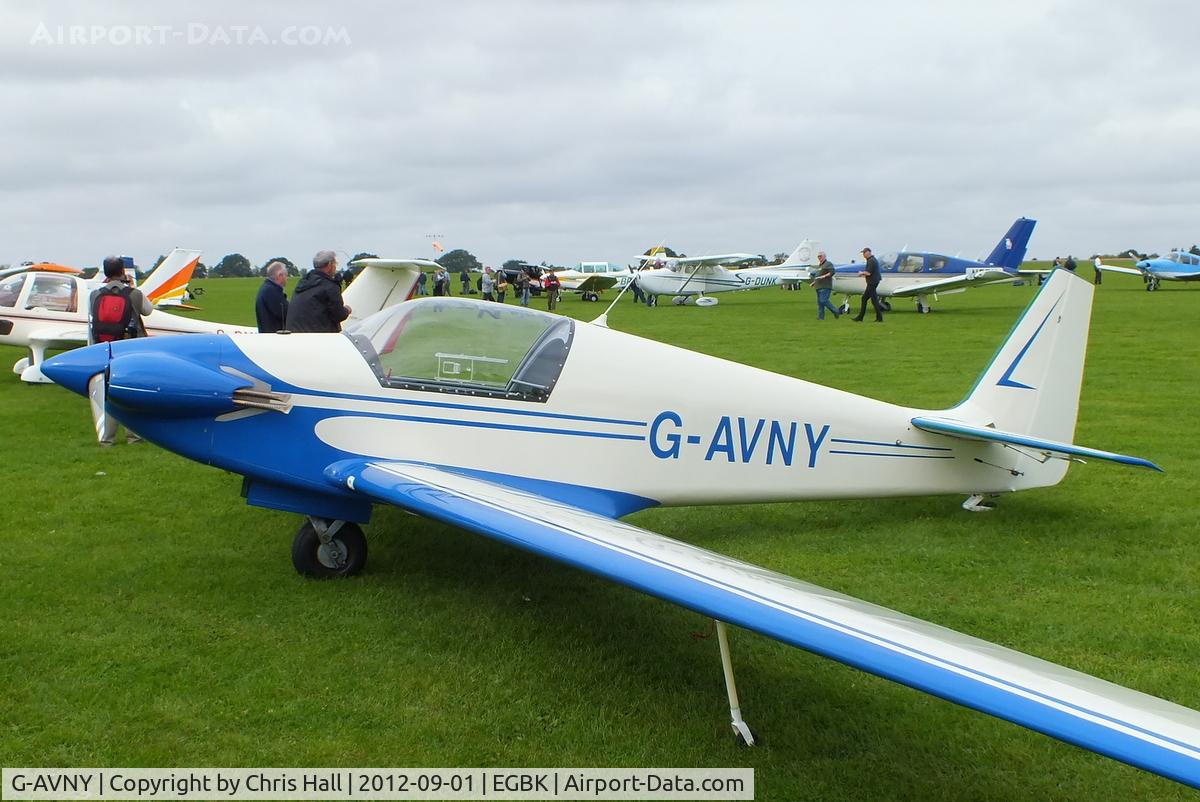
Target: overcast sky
x,y
563,131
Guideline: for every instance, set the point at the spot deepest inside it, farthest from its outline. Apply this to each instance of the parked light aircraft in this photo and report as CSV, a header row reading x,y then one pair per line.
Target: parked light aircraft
x,y
1178,265
919,274
701,276
48,311
470,413
589,279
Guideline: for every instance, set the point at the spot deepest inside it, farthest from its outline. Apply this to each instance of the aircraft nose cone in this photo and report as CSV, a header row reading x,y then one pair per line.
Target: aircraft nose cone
x,y
74,369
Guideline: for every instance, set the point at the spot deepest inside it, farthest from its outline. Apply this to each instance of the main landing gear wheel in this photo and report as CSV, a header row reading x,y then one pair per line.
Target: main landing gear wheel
x,y
886,305
679,300
327,549
922,307
591,297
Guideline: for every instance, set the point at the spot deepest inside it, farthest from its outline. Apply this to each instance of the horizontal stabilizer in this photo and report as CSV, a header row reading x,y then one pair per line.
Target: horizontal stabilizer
x,y
1124,724
805,255
978,278
1051,448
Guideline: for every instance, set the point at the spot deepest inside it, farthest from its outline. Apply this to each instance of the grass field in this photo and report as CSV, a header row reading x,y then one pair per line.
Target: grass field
x,y
151,618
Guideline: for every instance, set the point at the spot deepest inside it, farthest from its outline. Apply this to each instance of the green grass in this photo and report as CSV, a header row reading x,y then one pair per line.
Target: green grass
x,y
151,618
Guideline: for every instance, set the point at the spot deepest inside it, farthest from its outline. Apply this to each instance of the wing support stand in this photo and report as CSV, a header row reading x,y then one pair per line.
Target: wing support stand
x,y
978,503
741,730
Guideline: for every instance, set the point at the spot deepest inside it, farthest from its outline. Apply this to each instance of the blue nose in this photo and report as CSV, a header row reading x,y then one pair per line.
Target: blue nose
x,y
74,369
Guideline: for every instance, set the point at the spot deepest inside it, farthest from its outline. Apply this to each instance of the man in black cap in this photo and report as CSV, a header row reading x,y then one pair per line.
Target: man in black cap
x,y
871,273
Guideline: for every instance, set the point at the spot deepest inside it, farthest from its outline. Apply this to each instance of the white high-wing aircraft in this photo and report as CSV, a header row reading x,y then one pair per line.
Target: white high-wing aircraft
x,y
702,276
48,311
471,413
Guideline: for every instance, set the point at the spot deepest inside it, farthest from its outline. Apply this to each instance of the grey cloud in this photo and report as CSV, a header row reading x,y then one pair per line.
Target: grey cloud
x,y
563,131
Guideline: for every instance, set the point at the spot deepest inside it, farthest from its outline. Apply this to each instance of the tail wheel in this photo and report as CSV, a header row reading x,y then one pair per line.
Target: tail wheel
x,y
344,554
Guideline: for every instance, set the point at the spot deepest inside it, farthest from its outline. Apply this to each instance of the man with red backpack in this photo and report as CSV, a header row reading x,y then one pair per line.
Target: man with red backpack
x,y
115,312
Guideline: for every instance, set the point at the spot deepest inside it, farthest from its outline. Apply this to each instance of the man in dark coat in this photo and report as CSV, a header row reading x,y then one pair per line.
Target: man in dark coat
x,y
270,307
871,273
317,300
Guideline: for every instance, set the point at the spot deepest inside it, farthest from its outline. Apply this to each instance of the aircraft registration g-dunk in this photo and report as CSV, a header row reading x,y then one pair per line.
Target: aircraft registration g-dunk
x,y
699,277
921,275
1178,265
48,311
469,413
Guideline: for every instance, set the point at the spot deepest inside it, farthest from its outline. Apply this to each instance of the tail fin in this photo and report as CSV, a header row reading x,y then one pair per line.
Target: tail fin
x,y
166,285
805,255
383,283
1010,250
1032,385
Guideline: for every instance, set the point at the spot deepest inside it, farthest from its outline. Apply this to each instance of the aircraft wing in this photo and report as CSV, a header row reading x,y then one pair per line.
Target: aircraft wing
x,y
1142,730
1129,271
785,273
44,267
595,283
978,278
705,261
1051,448
55,338
396,264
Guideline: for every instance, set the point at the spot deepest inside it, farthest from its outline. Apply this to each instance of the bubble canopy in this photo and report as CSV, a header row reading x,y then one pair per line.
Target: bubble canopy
x,y
454,345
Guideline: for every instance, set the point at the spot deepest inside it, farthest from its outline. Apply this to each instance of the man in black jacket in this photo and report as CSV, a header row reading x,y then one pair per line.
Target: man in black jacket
x,y
871,273
270,307
317,300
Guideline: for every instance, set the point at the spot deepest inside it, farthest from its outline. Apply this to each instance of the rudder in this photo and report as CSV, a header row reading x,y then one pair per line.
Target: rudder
x,y
1009,252
1033,382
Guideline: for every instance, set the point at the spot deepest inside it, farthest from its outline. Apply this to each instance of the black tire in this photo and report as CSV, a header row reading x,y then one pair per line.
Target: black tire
x,y
885,306
311,560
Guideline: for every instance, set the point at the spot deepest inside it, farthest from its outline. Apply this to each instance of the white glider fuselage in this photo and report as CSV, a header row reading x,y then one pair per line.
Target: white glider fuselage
x,y
743,434
514,392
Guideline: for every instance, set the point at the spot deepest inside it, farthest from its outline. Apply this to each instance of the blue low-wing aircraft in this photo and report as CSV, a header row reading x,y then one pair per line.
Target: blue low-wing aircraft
x,y
1178,265
921,274
470,413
